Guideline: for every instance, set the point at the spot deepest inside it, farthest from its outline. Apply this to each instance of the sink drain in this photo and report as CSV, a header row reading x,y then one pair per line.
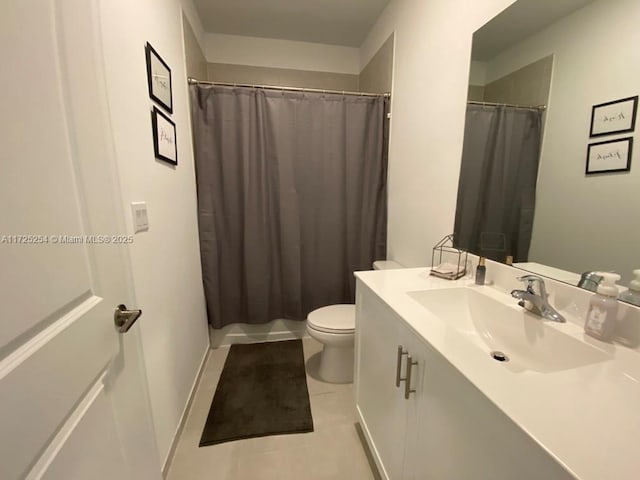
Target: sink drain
x,y
499,356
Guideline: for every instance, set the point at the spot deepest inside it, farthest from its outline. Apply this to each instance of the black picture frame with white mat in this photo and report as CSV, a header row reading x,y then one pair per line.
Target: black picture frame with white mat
x,y
609,156
159,79
165,145
614,117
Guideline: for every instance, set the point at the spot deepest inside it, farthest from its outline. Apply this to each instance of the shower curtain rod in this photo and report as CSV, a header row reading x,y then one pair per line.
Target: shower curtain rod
x,y
194,81
490,104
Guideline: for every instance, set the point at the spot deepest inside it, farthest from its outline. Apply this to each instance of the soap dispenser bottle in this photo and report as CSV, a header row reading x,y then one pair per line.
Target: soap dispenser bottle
x,y
633,294
603,308
481,272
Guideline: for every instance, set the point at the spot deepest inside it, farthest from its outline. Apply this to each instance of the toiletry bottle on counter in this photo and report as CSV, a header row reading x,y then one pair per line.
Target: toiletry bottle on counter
x,y
481,271
633,294
603,308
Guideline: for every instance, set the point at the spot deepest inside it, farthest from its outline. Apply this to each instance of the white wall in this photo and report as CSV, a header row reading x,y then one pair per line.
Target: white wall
x,y
166,259
189,11
584,223
478,73
431,74
275,53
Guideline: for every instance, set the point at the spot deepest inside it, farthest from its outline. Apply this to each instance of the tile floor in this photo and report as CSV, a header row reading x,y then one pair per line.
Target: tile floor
x,y
332,451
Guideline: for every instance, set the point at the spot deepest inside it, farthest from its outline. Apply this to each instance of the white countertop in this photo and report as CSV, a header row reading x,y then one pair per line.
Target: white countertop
x,y
587,418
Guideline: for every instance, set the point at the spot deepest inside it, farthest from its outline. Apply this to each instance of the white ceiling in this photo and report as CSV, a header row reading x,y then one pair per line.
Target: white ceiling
x,y
335,22
521,20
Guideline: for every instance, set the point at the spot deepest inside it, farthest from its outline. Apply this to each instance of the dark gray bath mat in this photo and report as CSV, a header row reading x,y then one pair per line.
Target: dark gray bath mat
x,y
262,391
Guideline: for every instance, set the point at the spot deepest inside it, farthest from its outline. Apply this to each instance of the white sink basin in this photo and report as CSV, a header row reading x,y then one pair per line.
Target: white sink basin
x,y
493,321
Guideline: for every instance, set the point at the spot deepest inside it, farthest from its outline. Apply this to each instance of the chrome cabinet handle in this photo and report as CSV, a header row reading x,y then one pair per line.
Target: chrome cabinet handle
x,y
401,352
124,319
407,386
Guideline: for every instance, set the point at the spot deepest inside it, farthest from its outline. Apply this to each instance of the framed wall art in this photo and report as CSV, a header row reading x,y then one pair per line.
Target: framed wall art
x,y
164,137
618,116
159,79
609,156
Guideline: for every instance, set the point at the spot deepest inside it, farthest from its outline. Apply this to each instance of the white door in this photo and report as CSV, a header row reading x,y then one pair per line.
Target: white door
x,y
73,398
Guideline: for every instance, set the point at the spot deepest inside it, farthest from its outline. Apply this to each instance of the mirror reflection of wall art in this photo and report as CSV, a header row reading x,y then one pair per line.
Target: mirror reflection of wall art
x,y
164,137
610,156
159,79
618,116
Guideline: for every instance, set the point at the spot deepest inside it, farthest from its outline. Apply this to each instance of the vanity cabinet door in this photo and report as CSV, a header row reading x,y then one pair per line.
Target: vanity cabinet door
x,y
454,432
380,404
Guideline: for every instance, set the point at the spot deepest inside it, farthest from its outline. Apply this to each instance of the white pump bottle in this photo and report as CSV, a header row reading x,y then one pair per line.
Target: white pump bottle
x,y
603,308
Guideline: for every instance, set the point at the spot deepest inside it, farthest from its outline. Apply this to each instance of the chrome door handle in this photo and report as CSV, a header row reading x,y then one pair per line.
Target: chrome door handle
x,y
401,352
407,386
124,319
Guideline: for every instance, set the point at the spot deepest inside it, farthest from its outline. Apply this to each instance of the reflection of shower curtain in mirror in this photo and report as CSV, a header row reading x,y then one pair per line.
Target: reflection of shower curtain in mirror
x,y
291,198
497,187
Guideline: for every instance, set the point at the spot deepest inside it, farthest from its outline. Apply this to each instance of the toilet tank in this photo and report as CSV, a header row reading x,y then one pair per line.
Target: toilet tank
x,y
386,265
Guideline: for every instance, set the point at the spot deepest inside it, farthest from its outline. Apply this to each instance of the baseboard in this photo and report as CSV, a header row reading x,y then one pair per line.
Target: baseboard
x,y
372,448
367,451
185,412
279,329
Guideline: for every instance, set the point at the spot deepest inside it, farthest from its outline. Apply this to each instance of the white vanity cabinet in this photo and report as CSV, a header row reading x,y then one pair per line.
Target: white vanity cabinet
x,y
446,429
380,404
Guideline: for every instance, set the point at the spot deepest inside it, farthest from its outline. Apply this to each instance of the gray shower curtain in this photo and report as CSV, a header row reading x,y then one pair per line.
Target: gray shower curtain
x,y
291,198
497,186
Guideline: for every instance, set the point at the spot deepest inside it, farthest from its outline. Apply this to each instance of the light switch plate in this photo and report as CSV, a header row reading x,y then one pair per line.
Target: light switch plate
x,y
140,218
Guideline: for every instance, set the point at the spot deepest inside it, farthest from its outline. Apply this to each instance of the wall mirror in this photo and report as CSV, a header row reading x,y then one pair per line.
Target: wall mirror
x,y
554,61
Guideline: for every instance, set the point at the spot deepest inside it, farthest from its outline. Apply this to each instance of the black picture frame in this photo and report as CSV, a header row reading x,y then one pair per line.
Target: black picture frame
x,y
164,135
623,164
157,73
603,109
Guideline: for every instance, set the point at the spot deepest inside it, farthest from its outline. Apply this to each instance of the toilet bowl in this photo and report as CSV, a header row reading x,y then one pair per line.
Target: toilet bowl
x,y
334,327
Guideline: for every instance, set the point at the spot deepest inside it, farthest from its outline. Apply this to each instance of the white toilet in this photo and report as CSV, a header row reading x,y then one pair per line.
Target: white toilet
x,y
334,326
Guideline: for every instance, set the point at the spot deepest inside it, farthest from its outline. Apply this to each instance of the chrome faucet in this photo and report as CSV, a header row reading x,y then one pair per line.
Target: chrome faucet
x,y
590,281
537,303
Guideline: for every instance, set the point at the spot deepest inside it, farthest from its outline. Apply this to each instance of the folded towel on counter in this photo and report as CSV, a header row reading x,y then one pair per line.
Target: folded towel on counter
x,y
449,271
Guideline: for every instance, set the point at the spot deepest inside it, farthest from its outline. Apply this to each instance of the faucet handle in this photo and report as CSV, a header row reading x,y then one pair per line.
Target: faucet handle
x,y
530,280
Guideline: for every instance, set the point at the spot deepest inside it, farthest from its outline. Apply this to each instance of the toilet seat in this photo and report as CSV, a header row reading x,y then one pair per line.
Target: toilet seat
x,y
335,319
